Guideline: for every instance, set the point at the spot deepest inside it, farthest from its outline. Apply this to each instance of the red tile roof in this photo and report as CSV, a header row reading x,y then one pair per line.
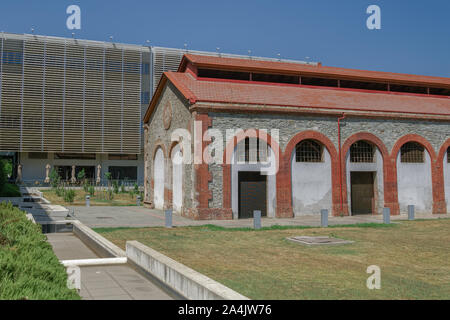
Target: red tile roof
x,y
301,96
312,70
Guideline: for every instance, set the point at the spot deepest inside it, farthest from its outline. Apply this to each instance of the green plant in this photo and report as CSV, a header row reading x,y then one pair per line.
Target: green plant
x,y
136,188
108,176
69,195
91,191
28,267
3,177
54,178
8,168
115,186
81,175
109,194
122,188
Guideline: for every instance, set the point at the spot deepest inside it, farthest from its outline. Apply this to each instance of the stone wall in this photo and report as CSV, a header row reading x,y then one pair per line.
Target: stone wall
x,y
157,136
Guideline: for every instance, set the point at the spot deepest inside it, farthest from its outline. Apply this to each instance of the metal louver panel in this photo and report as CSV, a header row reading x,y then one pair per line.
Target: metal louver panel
x,y
68,95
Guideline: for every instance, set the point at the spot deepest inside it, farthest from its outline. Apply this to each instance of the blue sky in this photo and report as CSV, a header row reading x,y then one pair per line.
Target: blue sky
x,y
414,36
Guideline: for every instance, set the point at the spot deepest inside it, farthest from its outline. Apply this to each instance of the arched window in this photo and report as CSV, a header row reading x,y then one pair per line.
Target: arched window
x,y
448,154
361,151
412,152
308,151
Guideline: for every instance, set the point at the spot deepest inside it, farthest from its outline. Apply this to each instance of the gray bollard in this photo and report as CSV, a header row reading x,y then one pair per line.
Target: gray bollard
x,y
324,218
410,212
88,201
386,215
138,201
168,214
257,219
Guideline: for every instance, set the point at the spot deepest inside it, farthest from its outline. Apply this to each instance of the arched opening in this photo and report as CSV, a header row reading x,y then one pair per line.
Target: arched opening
x,y
364,176
446,166
310,178
414,179
177,179
253,183
158,177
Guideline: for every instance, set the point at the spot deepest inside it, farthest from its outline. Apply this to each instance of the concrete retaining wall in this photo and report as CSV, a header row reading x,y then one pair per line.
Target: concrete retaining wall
x,y
183,280
103,247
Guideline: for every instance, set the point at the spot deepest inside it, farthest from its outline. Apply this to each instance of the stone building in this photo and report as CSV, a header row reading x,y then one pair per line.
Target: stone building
x,y
313,137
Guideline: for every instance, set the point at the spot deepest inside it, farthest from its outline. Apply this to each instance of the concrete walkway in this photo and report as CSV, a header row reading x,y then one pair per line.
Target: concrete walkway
x,y
114,282
144,217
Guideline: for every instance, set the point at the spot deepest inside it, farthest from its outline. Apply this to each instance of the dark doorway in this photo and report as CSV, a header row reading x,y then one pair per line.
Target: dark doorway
x,y
252,193
362,189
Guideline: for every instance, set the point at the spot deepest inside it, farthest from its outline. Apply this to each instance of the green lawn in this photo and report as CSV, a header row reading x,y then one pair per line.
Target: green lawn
x,y
414,257
99,199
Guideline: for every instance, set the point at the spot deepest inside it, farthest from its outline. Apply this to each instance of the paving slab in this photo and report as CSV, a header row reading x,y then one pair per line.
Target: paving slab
x,y
111,217
105,282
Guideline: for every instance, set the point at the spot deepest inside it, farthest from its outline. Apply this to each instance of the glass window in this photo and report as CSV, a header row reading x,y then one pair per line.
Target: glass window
x,y
75,156
123,173
37,155
122,156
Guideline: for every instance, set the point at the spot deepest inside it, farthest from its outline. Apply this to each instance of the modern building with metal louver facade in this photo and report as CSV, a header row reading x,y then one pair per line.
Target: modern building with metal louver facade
x,y
68,102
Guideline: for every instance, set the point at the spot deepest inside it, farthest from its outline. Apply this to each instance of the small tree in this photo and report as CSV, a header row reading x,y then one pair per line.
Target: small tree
x,y
54,178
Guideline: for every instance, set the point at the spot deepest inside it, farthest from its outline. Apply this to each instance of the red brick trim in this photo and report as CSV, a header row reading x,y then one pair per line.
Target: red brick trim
x,y
389,186
159,144
202,174
285,174
440,176
226,166
439,205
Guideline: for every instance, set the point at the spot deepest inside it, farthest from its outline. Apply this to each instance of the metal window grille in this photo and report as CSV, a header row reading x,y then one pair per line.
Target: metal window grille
x,y
412,152
308,151
361,151
252,150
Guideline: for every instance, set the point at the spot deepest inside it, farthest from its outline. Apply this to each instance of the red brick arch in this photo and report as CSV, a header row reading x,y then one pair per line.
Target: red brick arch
x,y
440,172
389,200
228,152
437,176
284,177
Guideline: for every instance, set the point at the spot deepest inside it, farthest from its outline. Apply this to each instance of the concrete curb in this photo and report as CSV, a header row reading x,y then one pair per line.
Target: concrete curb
x,y
96,242
183,280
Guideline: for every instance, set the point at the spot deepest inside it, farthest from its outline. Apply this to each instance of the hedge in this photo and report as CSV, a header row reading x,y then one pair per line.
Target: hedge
x,y
28,267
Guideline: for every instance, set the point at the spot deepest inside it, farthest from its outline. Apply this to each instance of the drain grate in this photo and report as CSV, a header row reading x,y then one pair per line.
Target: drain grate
x,y
320,240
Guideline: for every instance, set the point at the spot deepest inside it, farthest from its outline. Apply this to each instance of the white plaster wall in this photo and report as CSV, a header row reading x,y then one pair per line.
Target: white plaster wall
x,y
177,179
158,172
415,185
376,166
271,182
311,185
447,181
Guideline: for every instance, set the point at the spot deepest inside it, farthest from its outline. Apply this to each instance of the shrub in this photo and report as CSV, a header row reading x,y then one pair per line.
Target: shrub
x,y
3,177
115,186
136,188
28,267
54,179
10,190
122,188
60,191
91,191
81,175
110,194
69,195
